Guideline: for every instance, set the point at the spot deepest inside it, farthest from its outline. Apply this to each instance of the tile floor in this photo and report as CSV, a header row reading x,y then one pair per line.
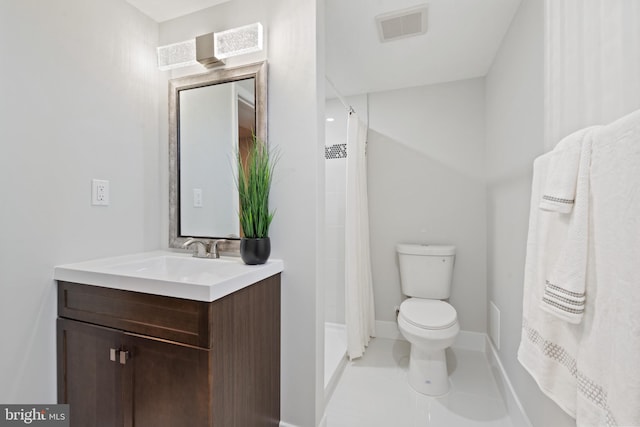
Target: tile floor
x,y
374,392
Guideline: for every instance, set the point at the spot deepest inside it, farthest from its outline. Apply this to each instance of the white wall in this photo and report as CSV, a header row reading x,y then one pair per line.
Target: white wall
x,y
426,184
296,110
601,83
79,102
515,136
296,125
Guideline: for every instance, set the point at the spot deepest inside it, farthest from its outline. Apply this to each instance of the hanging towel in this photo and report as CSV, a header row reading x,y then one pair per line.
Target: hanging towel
x,y
608,370
549,346
562,174
590,369
564,293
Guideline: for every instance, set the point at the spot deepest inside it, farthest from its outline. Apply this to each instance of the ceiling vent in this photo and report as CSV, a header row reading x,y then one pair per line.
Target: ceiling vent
x,y
403,23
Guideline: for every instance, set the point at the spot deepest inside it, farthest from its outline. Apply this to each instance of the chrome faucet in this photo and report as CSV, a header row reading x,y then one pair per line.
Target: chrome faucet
x,y
215,253
202,248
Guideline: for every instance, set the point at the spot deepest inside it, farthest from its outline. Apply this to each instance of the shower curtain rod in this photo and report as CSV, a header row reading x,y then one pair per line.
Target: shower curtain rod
x,y
340,98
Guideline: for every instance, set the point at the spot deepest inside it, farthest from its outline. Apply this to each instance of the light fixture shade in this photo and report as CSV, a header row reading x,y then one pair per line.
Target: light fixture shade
x,y
177,55
238,41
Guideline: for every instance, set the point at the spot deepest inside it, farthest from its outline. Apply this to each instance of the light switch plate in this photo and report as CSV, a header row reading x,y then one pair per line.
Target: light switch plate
x,y
197,197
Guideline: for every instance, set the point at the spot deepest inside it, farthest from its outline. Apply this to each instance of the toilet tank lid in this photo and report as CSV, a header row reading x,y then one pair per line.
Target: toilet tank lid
x,y
425,249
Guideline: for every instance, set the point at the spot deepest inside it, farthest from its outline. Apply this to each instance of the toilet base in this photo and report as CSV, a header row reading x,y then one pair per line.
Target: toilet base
x,y
428,372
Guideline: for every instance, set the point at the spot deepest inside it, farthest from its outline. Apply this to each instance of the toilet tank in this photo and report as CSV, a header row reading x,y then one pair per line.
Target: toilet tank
x,y
426,271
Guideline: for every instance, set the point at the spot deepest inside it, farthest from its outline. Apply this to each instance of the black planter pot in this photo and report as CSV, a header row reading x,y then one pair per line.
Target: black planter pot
x,y
255,251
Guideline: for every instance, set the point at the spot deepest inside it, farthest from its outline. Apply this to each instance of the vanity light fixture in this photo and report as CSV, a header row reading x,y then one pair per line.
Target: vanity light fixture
x,y
238,41
210,49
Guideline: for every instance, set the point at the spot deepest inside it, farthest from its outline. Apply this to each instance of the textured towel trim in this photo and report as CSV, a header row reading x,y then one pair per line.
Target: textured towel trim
x,y
587,387
570,303
558,200
564,291
560,298
562,307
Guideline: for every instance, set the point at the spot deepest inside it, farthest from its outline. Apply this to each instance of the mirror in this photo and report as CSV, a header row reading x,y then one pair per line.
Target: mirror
x,y
211,117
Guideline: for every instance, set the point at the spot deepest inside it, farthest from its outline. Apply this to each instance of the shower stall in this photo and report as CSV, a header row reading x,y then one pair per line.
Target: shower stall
x,y
348,309
335,187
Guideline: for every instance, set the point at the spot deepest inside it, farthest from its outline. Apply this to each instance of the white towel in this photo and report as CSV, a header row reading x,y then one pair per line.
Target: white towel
x,y
565,284
608,368
549,346
562,174
590,369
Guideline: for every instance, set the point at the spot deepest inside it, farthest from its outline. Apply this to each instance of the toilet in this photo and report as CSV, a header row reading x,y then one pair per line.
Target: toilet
x,y
425,320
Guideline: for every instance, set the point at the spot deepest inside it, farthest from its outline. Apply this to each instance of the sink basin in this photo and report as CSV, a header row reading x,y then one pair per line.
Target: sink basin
x,y
180,269
168,273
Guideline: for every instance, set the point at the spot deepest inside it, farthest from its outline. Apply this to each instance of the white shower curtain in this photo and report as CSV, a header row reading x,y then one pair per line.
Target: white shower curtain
x,y
359,308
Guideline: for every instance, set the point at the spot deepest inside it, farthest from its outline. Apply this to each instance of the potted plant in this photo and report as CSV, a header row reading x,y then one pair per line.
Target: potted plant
x,y
255,171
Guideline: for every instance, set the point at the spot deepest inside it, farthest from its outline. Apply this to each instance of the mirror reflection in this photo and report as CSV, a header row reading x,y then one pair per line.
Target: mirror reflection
x,y
214,122
212,116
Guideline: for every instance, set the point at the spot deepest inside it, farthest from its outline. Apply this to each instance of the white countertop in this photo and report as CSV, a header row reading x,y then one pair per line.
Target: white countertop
x,y
170,274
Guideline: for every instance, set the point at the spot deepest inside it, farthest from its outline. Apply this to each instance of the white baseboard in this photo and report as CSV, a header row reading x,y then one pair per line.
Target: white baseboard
x,y
511,400
283,424
466,340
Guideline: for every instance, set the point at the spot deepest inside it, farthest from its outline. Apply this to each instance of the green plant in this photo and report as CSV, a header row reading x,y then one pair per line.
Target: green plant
x,y
255,172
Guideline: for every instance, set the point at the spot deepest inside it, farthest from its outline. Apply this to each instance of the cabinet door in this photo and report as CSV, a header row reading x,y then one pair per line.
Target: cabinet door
x,y
169,384
88,380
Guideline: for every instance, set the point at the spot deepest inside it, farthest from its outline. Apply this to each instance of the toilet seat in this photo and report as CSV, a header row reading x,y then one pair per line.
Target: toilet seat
x,y
428,314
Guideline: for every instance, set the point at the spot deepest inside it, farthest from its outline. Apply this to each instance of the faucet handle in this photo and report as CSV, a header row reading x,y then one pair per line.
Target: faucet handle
x,y
202,248
213,250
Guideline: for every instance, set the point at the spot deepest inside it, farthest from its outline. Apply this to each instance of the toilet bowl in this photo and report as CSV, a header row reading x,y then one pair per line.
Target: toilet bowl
x,y
430,326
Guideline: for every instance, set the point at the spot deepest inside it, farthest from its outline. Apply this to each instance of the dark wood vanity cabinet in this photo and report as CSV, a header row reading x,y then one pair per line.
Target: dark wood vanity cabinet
x,y
139,360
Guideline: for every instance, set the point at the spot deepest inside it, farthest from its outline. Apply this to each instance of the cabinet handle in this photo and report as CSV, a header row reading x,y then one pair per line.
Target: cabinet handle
x,y
112,354
124,355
